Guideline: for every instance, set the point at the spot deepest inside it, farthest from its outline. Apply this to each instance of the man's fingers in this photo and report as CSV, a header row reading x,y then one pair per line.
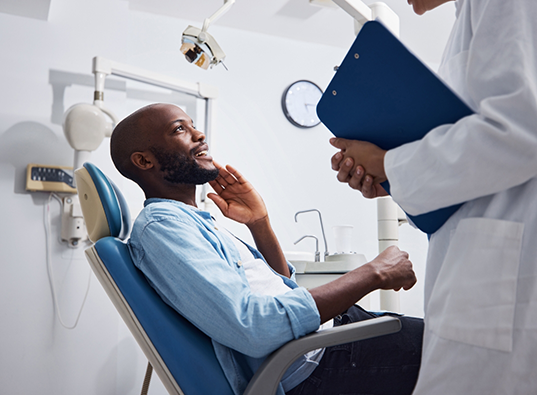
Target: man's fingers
x,y
220,203
236,174
216,186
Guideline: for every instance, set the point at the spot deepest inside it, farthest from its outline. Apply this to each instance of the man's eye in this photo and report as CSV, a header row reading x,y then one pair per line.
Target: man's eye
x,y
179,128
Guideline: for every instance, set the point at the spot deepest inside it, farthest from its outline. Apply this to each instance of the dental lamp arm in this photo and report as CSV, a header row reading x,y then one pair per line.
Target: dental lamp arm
x,y
214,17
103,67
363,13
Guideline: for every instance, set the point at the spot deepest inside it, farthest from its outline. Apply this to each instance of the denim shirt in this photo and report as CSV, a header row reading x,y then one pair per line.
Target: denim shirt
x,y
196,269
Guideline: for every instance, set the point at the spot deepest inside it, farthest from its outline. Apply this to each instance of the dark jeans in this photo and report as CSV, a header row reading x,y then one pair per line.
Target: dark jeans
x,y
384,365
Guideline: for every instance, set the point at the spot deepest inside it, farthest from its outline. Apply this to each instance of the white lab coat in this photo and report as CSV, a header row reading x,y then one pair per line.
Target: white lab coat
x,y
481,277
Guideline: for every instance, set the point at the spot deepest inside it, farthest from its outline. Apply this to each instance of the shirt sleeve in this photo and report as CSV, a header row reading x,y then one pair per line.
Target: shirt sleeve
x,y
191,272
495,149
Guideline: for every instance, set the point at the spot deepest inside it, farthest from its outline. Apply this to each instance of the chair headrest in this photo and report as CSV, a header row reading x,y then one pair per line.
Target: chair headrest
x,y
105,210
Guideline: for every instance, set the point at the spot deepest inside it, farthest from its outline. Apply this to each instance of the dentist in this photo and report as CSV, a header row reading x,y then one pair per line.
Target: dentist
x,y
481,282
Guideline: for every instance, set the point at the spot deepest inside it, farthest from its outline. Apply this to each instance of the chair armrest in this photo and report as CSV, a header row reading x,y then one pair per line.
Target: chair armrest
x,y
267,378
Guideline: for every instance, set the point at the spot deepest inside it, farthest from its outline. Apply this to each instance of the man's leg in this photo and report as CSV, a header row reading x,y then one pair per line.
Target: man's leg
x,y
384,365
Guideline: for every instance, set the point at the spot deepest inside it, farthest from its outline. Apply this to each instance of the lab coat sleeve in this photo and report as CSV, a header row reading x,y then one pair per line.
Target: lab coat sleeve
x,y
199,281
495,149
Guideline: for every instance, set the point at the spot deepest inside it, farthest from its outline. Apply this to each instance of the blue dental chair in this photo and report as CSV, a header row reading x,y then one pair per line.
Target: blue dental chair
x,y
182,356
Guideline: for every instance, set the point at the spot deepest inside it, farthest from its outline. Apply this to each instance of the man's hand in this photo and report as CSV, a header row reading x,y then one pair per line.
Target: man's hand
x,y
390,270
394,269
236,197
354,159
239,201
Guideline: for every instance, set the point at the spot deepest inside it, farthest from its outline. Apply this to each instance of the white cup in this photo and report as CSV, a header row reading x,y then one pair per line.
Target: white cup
x,y
343,238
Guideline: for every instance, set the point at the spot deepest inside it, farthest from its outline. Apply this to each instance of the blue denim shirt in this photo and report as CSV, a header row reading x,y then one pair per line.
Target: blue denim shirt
x,y
197,270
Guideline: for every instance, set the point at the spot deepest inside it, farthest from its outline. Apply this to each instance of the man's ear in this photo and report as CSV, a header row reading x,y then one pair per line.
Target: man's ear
x,y
143,160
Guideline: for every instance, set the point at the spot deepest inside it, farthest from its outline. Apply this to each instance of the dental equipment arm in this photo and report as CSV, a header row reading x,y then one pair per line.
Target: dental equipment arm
x,y
361,13
221,11
388,213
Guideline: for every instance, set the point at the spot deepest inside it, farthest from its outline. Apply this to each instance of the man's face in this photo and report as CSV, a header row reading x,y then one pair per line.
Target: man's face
x,y
422,6
180,149
182,169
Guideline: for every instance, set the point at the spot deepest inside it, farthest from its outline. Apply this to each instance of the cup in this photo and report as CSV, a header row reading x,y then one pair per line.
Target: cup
x,y
343,238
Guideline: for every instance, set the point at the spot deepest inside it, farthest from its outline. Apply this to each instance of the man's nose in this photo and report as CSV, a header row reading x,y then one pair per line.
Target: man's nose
x,y
197,135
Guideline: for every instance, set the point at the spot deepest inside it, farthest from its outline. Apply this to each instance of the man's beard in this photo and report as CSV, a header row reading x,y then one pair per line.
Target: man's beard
x,y
181,169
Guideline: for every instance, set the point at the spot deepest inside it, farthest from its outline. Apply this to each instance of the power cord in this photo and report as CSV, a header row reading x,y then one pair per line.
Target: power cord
x,y
47,223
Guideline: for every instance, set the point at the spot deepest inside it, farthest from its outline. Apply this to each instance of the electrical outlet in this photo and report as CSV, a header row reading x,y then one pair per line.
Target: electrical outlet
x,y
49,178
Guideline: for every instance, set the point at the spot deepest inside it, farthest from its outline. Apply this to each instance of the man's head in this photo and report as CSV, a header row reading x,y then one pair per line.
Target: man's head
x,y
159,148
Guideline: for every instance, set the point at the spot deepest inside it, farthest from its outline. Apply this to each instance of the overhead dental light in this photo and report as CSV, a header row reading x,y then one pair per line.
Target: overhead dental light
x,y
199,47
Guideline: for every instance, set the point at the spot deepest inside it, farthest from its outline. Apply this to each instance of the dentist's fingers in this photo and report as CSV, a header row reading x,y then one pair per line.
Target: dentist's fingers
x,y
357,178
339,142
344,172
338,156
336,160
368,191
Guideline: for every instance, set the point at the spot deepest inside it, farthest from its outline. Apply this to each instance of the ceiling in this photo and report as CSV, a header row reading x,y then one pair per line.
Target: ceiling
x,y
293,19
302,21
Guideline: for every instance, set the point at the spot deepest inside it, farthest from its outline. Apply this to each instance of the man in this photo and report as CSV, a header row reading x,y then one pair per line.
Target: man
x,y
245,298
481,283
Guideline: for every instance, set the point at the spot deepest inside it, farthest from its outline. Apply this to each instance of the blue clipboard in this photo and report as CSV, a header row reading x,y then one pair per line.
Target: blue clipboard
x,y
383,94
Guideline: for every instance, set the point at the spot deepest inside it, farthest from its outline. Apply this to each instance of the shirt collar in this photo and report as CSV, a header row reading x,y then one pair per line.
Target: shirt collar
x,y
184,206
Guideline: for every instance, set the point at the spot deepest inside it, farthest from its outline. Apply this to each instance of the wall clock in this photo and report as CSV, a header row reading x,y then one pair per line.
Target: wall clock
x,y
299,103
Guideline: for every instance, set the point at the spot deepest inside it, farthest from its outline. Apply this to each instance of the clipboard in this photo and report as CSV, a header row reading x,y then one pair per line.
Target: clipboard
x,y
382,93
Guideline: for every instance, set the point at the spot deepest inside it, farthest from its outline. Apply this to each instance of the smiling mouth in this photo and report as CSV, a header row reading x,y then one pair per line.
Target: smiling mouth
x,y
202,153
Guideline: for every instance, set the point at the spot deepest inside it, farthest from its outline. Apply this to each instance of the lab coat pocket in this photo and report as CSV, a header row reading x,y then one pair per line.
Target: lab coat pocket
x,y
474,296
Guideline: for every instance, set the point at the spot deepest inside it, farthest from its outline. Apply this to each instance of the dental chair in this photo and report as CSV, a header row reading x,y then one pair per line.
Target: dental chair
x,y
182,356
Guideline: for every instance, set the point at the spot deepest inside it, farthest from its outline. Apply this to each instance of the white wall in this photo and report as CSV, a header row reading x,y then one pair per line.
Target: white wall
x,y
289,166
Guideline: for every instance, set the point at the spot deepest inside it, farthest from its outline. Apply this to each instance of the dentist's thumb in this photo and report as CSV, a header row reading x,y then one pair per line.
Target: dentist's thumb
x,y
339,143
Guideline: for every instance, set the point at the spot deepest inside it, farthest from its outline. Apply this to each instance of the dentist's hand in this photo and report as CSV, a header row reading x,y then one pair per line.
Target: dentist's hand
x,y
354,159
236,197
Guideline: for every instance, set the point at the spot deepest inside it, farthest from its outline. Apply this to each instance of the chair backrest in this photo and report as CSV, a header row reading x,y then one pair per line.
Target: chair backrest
x,y
182,356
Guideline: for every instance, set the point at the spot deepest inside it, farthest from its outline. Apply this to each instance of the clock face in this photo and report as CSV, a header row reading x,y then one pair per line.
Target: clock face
x,y
299,103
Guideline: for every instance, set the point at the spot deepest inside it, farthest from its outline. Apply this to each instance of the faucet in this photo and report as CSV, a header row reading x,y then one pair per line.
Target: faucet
x,y
317,253
322,228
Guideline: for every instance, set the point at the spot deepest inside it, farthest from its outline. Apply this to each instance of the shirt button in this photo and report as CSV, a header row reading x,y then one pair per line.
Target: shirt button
x,y
239,263
215,228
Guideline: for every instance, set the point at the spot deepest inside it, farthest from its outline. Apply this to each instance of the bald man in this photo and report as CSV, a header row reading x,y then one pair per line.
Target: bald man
x,y
244,298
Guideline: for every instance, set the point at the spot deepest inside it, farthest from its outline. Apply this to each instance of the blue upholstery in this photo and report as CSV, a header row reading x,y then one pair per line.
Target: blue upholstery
x,y
113,202
185,350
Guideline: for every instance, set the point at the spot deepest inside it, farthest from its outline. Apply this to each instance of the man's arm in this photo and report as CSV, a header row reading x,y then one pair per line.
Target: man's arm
x,y
390,270
239,201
